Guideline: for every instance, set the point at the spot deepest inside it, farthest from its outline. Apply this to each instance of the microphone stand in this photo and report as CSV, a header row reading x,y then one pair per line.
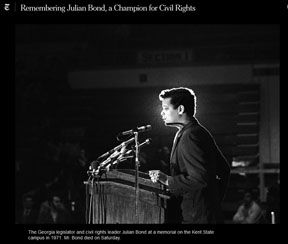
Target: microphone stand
x,y
136,177
91,200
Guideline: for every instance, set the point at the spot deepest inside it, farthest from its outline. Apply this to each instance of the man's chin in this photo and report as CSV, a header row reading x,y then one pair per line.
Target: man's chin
x,y
168,123
175,124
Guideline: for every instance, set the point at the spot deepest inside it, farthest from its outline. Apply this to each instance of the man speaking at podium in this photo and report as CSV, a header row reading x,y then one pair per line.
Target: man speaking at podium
x,y
199,171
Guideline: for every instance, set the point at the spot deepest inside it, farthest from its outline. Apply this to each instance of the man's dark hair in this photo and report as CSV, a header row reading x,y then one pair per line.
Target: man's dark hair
x,y
181,96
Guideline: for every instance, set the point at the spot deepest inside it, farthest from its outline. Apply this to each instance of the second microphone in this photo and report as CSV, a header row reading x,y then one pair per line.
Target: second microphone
x,y
138,129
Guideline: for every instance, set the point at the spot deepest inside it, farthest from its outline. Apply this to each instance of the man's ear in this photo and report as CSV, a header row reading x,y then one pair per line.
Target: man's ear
x,y
181,109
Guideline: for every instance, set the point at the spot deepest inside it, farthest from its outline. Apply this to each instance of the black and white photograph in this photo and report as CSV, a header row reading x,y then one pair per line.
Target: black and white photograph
x,y
144,130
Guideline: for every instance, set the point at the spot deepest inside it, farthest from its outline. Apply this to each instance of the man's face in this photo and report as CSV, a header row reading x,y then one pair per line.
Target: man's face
x,y
56,202
247,198
168,113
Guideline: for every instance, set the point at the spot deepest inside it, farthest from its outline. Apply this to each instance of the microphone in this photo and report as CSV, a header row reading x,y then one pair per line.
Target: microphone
x,y
138,129
123,155
123,144
147,141
118,156
126,153
110,158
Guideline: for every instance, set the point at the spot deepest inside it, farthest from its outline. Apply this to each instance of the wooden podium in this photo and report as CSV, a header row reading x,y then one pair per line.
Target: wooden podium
x,y
111,199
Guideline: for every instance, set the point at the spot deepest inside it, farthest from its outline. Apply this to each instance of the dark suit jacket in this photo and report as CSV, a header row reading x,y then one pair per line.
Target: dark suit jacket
x,y
196,163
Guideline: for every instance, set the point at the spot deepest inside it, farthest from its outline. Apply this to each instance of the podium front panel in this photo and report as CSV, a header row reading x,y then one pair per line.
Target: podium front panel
x,y
112,199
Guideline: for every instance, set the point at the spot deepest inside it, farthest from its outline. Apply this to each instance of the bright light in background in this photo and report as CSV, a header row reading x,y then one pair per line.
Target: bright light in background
x,y
151,108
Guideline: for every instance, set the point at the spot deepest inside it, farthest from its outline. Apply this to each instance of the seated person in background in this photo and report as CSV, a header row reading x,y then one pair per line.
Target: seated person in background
x,y
53,211
29,210
249,212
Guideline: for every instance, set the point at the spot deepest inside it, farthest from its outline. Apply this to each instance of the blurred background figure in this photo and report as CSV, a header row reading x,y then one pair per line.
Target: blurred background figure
x,y
76,193
53,211
249,212
29,210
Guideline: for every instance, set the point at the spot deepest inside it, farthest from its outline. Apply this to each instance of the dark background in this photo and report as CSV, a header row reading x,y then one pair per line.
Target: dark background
x,y
54,121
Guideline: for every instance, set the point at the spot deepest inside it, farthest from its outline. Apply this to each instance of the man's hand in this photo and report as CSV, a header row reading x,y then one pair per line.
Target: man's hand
x,y
157,175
